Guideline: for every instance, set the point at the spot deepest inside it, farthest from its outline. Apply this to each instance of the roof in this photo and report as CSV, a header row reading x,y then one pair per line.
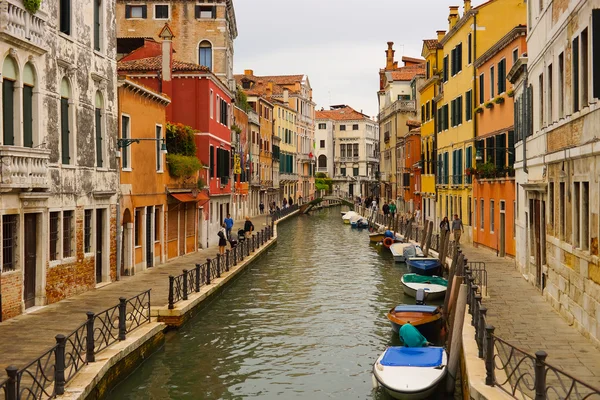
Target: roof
x,y
341,114
145,91
406,59
282,79
155,64
412,122
432,44
407,73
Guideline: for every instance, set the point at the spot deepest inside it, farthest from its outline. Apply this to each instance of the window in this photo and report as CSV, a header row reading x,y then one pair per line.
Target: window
x,y
561,84
475,213
575,69
28,85
97,23
65,123
453,113
492,82
423,113
157,213
322,126
561,211
9,242
502,76
209,12
481,215
136,11
342,127
212,105
492,216
125,134
322,160
343,171
427,70
445,117
445,77
322,144
342,150
585,215
161,11
584,67
205,54
469,215
99,131
481,89
515,55
355,146
541,99
576,214
596,52
137,226
427,111
9,77
469,48
212,159
68,234
456,59
550,94
87,231
355,171
469,105
159,143
459,110
54,232
355,127
65,16
469,163
551,204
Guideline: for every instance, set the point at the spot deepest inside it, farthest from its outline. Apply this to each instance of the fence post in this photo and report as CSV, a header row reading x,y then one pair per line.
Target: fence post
x,y
241,250
89,342
489,355
480,329
477,303
185,284
59,364
234,253
11,384
197,278
122,313
253,243
227,260
171,300
540,375
219,265
208,271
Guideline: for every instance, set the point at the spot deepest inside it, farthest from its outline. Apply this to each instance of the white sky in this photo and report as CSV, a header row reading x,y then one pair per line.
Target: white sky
x,y
339,44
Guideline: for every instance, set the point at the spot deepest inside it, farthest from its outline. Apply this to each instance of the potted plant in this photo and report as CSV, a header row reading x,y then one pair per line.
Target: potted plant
x,y
32,5
479,110
510,93
470,171
487,170
499,100
489,104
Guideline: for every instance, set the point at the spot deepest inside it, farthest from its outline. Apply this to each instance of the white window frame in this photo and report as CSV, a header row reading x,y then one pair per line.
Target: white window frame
x,y
168,11
136,6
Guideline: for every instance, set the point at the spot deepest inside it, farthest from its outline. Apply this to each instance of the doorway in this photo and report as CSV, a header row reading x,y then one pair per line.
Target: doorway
x,y
351,190
182,210
149,238
99,242
502,244
30,259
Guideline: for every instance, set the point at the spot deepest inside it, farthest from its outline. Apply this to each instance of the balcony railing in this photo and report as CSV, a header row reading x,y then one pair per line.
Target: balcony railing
x,y
347,159
398,106
253,118
288,177
22,28
24,168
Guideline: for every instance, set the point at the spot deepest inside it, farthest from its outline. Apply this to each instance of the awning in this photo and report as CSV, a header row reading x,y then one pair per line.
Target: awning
x,y
188,197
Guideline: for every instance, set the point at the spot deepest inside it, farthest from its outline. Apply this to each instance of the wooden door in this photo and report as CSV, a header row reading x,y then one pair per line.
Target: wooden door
x,y
537,242
30,259
99,241
181,211
502,234
149,238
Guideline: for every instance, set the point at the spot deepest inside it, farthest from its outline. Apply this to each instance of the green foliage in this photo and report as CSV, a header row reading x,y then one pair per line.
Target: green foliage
x,y
489,104
236,129
181,166
510,93
322,182
241,100
32,5
499,100
180,140
487,170
201,183
321,175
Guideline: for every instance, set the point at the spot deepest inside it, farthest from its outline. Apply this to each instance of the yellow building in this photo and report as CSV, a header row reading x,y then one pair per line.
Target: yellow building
x,y
433,54
285,129
265,167
468,38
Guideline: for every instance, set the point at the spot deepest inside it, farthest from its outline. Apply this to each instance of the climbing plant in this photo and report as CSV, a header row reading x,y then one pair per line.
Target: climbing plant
x,y
181,147
32,5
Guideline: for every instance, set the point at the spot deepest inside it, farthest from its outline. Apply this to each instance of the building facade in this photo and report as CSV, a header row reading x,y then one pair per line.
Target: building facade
x,y
59,180
285,129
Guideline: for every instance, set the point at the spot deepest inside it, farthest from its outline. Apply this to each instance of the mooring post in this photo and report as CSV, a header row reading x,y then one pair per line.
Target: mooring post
x,y
59,364
89,341
540,375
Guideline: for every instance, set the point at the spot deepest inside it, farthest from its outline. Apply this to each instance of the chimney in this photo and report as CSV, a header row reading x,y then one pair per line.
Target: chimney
x,y
453,17
467,6
248,72
269,89
440,35
167,52
286,95
389,64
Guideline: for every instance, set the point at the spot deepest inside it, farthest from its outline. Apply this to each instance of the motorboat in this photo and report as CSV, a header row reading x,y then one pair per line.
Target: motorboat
x,y
412,250
397,250
376,237
362,223
433,286
427,319
348,215
354,220
410,373
424,265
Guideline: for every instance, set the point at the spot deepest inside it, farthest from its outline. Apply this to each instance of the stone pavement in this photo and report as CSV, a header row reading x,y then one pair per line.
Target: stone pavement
x,y
27,336
523,318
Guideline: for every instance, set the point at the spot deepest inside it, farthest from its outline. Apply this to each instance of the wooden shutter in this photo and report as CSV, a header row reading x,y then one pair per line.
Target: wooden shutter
x,y
212,161
197,12
173,221
8,112
64,130
27,116
596,52
190,219
99,160
214,12
460,110
575,68
97,6
511,148
144,11
127,11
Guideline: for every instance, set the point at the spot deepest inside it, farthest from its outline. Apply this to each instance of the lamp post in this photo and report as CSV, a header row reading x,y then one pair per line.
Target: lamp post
x,y
126,142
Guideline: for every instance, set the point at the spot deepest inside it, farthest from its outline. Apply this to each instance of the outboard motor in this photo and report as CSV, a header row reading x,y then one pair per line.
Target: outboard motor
x,y
420,297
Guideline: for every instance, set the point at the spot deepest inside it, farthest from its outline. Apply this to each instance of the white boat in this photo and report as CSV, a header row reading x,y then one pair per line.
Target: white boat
x,y
434,286
354,220
397,250
412,250
348,215
410,373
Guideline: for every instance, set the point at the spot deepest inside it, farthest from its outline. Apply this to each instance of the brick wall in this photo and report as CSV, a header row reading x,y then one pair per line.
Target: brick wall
x,y
565,136
12,294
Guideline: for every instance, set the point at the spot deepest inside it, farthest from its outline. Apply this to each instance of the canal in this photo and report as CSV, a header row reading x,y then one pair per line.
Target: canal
x,y
307,320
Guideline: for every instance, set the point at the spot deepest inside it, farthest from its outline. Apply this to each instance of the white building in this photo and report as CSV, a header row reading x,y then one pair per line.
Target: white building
x,y
347,149
558,163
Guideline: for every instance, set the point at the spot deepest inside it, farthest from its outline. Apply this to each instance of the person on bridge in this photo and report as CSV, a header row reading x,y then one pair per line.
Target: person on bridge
x,y
248,227
228,225
445,226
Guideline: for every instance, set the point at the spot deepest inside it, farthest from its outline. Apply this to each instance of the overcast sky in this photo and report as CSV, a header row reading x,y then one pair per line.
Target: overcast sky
x,y
339,44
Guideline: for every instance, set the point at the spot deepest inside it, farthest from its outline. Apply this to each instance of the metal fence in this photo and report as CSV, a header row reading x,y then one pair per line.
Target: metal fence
x,y
191,281
278,214
46,376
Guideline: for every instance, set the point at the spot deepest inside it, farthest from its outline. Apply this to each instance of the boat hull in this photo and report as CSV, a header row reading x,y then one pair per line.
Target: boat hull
x,y
430,325
376,237
416,265
433,292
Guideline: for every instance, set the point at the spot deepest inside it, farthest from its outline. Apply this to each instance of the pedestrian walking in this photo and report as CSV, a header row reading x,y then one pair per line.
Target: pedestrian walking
x,y
248,227
222,239
262,207
418,215
385,209
228,226
445,226
393,209
290,201
457,228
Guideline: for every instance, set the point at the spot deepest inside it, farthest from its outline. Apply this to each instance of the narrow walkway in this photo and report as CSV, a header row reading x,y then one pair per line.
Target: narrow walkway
x,y
27,336
523,318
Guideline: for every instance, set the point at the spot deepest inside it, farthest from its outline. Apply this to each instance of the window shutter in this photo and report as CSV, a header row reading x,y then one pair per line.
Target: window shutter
x,y
96,25
8,110
596,51
65,16
64,130
460,109
197,12
98,138
227,162
144,11
27,116
127,11
214,12
460,169
212,161
511,148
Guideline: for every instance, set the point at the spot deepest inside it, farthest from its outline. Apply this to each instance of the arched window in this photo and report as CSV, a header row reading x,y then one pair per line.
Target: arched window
x,y
65,124
322,161
9,78
205,54
28,85
99,130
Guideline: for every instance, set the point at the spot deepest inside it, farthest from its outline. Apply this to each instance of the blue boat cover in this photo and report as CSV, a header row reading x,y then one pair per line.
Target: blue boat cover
x,y
389,234
415,308
413,357
424,264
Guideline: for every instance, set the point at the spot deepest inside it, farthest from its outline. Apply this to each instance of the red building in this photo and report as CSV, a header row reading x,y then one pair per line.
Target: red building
x,y
198,99
409,168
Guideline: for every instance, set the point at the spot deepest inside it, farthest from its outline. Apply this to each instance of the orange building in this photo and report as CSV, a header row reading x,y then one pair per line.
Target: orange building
x,y
159,213
494,202
409,169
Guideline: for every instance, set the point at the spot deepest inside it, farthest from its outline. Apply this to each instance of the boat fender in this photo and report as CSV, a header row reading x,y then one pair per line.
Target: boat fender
x,y
374,381
388,242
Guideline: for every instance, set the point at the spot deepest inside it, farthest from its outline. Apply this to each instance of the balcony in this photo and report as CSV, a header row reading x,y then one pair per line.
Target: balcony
x,y
303,157
347,159
21,28
403,106
253,118
24,168
288,177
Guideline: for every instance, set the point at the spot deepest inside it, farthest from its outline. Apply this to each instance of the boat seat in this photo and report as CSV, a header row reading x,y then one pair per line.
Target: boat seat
x,y
413,357
415,308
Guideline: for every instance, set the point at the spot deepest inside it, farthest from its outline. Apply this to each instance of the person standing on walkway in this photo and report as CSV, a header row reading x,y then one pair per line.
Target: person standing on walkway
x,y
222,239
457,228
228,226
393,210
262,207
385,209
445,226
248,227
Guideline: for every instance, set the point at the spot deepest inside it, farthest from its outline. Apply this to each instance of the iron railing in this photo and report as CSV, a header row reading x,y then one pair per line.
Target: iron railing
x,y
278,214
191,281
46,376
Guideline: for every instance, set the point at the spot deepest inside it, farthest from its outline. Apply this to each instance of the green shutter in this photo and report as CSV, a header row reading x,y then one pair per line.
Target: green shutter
x,y
8,112
27,116
99,159
64,130
212,162
511,148
97,5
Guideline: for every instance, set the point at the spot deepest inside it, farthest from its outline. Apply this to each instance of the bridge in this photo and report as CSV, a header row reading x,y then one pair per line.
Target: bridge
x,y
331,200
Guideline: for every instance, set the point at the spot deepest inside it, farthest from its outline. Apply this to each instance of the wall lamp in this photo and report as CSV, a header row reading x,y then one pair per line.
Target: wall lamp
x,y
126,142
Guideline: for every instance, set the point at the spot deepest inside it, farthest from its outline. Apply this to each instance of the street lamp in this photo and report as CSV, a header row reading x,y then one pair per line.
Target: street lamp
x,y
126,142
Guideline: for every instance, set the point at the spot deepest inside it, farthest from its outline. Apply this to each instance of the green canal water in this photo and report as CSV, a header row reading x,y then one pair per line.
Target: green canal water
x,y
307,320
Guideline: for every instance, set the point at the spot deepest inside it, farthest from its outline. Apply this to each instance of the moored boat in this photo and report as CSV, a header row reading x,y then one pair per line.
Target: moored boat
x,y
433,286
427,319
424,265
410,373
412,250
397,250
348,215
376,237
